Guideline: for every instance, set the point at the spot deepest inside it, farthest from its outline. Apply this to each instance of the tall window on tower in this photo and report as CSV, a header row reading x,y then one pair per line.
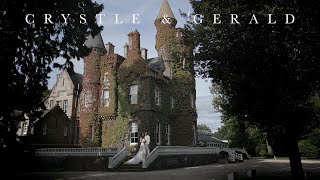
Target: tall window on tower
x,y
192,100
134,133
157,97
168,132
106,98
158,133
85,100
134,94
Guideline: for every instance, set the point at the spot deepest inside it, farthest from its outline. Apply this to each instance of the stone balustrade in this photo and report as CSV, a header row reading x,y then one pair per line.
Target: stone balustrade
x,y
96,151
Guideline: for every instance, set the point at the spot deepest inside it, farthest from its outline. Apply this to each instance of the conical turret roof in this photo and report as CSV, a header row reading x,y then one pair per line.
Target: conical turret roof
x,y
165,10
94,42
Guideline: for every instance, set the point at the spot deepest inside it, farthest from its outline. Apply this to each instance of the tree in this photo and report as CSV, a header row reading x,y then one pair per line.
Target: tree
x,y
203,127
267,74
28,49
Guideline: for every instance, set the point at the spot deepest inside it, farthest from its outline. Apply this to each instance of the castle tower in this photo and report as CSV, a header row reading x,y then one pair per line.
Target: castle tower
x,y
90,127
179,68
165,24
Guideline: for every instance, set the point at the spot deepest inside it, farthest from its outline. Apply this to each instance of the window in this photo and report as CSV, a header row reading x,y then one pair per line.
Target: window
x,y
158,133
172,102
65,131
134,94
105,98
44,129
134,133
157,97
59,103
85,99
24,128
65,106
92,132
51,103
168,132
192,100
194,133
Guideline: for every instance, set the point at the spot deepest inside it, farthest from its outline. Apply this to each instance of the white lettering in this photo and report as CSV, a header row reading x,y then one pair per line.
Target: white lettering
x,y
197,19
270,19
65,18
234,18
134,18
100,20
83,19
27,18
287,18
47,17
253,18
216,18
117,19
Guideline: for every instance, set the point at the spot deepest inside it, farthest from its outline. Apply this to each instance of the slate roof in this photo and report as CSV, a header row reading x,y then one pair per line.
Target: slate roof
x,y
165,10
94,42
76,79
156,63
208,138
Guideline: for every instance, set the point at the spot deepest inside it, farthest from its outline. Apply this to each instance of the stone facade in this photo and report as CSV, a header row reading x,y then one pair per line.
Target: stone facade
x,y
54,127
125,96
65,93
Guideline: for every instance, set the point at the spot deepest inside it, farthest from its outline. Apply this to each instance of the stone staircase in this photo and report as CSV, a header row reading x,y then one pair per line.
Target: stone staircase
x,y
129,167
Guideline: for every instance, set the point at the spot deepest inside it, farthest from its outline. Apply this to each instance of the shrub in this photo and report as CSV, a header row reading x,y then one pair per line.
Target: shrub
x,y
308,150
223,154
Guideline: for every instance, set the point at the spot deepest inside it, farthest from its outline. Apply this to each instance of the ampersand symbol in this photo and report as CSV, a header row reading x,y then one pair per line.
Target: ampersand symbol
x,y
166,19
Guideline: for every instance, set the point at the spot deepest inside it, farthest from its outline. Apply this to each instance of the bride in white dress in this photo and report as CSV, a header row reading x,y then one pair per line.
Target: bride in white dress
x,y
142,153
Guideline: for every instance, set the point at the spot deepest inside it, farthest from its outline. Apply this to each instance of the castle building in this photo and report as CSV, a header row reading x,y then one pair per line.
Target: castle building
x,y
124,96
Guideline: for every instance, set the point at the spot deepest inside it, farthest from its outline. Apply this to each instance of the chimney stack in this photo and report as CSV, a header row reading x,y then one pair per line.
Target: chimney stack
x,y
126,48
144,53
110,48
134,43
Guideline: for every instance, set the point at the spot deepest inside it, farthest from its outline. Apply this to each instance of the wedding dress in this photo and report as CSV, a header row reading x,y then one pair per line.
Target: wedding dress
x,y
142,153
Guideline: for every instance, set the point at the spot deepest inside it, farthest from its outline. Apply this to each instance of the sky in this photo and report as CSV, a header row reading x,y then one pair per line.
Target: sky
x,y
117,34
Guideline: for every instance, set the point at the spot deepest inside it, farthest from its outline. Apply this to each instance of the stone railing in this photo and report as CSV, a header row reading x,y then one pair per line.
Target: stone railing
x,y
96,151
177,150
118,158
233,156
241,150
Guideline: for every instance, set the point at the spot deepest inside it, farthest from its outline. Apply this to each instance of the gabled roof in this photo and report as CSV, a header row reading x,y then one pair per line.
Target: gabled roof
x,y
208,138
47,111
76,79
165,10
94,42
156,63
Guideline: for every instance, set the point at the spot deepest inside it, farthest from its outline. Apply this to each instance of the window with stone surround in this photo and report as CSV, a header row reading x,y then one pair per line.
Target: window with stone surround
x,y
157,97
24,128
85,100
134,133
158,133
168,134
51,103
59,103
194,130
192,100
44,129
172,102
134,94
65,106
106,99
65,131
